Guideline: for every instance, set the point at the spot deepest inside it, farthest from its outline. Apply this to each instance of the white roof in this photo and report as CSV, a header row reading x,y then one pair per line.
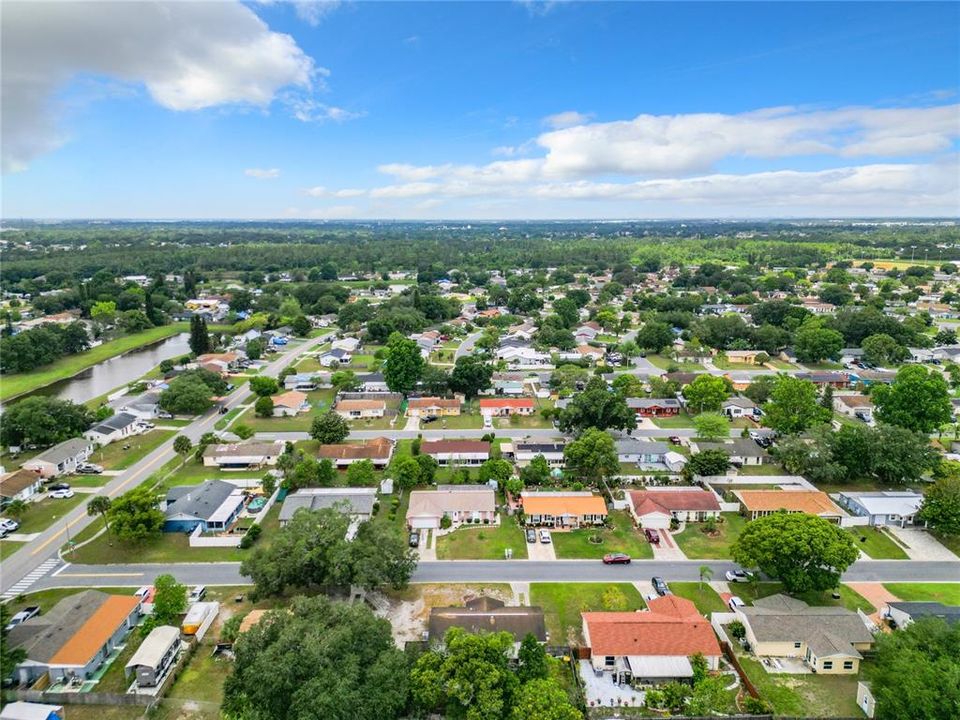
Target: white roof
x,y
887,503
155,646
29,711
227,508
660,666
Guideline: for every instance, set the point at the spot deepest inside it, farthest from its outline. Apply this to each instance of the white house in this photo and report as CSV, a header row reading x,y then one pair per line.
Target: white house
x,y
61,459
114,428
884,507
457,452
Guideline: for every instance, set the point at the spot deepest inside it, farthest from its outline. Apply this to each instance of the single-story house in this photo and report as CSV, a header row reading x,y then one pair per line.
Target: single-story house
x,y
739,407
306,382
650,646
157,652
356,502
524,452
563,509
902,614
336,356
758,503
856,406
745,357
242,456
61,459
20,710
654,407
433,407
837,380
828,639
883,507
378,451
19,485
656,508
457,452
73,638
290,403
486,614
115,427
506,406
461,503
350,344
360,409
523,356
212,505
641,452
145,406
373,383
740,450
220,363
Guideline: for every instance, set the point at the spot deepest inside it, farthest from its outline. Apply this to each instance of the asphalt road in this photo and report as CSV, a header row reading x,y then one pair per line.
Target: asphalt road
x,y
48,542
460,571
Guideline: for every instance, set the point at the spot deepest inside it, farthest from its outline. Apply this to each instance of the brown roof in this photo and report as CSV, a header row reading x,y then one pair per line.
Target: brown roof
x,y
95,632
668,501
361,405
855,401
426,402
489,615
562,504
671,626
227,357
14,482
371,449
291,399
454,446
813,502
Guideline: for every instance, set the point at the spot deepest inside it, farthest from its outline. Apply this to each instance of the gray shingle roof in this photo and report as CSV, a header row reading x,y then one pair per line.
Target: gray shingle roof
x,y
65,450
199,501
358,500
42,636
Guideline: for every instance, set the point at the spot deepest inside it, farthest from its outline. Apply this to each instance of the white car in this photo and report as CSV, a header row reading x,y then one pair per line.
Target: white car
x,y
739,576
62,494
735,602
545,537
9,525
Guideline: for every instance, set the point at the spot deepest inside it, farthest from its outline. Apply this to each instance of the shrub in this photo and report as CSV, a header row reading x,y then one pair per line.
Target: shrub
x,y
446,522
738,630
577,486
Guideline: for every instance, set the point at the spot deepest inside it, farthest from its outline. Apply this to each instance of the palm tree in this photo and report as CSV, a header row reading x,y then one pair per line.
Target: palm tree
x,y
17,509
705,572
100,505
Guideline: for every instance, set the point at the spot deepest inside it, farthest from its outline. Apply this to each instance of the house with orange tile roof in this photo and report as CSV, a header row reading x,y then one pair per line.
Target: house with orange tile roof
x,y
563,509
360,409
500,407
433,407
650,646
75,637
378,451
292,402
757,503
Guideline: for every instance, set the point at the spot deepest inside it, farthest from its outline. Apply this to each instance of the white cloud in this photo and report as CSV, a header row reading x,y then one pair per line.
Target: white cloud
x,y
566,119
262,173
188,56
307,109
313,12
320,191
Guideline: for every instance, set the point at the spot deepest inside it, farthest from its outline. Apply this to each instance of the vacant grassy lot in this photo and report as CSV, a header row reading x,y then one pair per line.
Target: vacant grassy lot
x,y
765,469
665,363
622,537
947,593
877,544
697,545
849,599
483,542
41,515
114,457
562,604
805,695
167,548
702,595
682,420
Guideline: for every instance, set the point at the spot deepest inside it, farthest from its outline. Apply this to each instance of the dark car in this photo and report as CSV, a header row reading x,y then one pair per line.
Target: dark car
x,y
652,536
675,440
223,410
429,419
58,486
659,585
414,539
531,536
616,559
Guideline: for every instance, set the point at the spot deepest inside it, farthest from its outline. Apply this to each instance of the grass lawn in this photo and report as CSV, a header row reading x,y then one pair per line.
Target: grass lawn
x,y
878,545
225,420
202,679
781,365
8,548
562,604
384,423
765,469
46,599
727,365
622,537
113,712
468,419
68,366
320,401
167,548
697,545
682,420
951,542
664,363
947,593
483,542
114,457
87,481
849,599
704,597
805,695
825,365
44,513
115,680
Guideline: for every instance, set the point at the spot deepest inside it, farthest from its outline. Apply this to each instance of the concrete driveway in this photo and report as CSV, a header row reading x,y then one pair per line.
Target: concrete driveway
x,y
921,545
541,551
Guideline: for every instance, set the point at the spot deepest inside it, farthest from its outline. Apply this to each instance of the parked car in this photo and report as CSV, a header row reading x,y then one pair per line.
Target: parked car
x,y
531,536
675,440
197,594
3,532
429,419
89,469
739,576
659,585
61,494
223,410
735,602
58,486
165,415
414,539
545,537
653,537
9,525
23,616
617,558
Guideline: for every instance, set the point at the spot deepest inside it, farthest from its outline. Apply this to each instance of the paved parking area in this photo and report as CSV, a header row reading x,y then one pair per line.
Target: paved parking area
x,y
921,545
541,551
601,690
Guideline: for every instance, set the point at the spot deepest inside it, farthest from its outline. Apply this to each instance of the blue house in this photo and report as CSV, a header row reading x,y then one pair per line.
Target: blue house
x,y
213,506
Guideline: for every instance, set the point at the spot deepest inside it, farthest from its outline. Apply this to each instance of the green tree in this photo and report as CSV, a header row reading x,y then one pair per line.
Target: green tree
x,y
537,472
881,349
263,407
706,572
187,395
317,659
917,399
103,313
403,365
244,432
532,659
592,456
597,407
98,505
301,326
169,600
329,428
182,445
42,420
470,376
707,463
199,337
804,552
793,406
261,385
361,474
760,388
428,469
345,381
543,699
135,516
405,470
941,506
496,469
612,599
711,426
706,393
17,509
814,343
654,336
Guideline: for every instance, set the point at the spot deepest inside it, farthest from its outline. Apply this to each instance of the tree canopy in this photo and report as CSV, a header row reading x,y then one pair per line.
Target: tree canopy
x,y
917,399
403,365
597,407
793,406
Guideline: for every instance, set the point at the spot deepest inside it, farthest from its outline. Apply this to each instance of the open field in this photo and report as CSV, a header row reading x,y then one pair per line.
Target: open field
x,y
563,603
66,367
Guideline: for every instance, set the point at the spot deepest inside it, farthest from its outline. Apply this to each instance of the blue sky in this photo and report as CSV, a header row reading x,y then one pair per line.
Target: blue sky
x,y
480,110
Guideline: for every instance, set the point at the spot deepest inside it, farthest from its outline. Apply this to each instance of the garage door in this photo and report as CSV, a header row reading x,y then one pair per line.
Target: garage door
x,y
424,523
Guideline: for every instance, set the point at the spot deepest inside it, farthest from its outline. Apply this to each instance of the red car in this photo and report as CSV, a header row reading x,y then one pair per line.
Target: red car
x,y
652,536
616,559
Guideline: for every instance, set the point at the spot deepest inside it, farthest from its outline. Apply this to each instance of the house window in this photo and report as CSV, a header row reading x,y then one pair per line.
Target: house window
x,y
797,645
609,661
848,664
828,664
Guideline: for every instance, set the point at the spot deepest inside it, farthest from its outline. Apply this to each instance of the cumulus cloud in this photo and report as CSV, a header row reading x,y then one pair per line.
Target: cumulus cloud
x,y
565,119
262,173
313,12
187,55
